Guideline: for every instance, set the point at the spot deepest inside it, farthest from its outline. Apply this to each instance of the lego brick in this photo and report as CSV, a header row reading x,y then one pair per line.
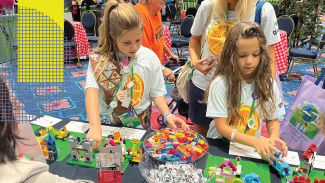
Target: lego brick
x,y
313,174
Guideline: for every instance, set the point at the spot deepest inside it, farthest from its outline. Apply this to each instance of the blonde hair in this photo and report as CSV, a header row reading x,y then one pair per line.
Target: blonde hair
x,y
118,19
243,9
227,67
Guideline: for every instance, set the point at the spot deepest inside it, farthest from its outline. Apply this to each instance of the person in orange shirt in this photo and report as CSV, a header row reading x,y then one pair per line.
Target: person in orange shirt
x,y
152,36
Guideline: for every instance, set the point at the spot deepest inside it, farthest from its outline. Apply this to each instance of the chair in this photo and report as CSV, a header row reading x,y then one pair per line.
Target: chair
x,y
88,20
13,45
286,23
69,34
306,56
295,19
185,32
191,11
172,14
276,9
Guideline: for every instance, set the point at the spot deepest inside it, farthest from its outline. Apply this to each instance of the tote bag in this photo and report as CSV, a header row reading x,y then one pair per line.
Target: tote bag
x,y
183,80
303,123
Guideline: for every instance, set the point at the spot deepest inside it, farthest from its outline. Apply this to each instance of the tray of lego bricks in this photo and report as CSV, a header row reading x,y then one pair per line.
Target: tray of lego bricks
x,y
175,145
161,170
57,144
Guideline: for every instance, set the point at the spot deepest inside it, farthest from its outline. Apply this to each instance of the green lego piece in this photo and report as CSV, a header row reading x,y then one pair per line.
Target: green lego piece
x,y
295,172
169,159
238,180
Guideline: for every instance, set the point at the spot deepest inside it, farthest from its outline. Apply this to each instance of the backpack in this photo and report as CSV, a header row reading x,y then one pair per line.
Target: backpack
x,y
185,76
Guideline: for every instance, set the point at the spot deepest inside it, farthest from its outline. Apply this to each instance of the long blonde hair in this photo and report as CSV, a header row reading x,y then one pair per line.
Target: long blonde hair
x,y
243,9
227,67
118,19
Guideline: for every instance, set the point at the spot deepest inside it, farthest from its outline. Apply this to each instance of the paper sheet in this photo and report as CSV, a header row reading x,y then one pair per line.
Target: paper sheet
x,y
292,158
76,126
46,121
319,162
130,133
109,130
243,150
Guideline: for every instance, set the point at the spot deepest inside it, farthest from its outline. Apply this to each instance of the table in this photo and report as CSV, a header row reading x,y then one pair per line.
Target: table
x,y
82,41
281,53
132,174
9,27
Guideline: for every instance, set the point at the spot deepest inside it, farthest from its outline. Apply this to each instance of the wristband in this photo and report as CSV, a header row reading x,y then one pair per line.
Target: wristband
x,y
162,67
233,135
165,117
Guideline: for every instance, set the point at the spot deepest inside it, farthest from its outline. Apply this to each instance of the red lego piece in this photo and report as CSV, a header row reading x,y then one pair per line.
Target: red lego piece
x,y
168,138
182,159
313,148
180,140
301,179
307,154
319,181
111,176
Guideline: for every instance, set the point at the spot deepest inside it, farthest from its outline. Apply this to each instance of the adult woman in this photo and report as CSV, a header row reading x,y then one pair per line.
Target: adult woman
x,y
153,37
207,40
12,168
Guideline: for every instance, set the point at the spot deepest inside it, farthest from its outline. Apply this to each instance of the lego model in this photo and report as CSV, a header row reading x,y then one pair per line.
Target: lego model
x,y
252,178
110,158
227,170
136,155
117,138
40,136
280,165
308,158
301,179
48,147
109,142
319,181
62,134
86,147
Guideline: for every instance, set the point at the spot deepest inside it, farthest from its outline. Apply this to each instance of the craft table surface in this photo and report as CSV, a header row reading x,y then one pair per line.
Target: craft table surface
x,y
132,173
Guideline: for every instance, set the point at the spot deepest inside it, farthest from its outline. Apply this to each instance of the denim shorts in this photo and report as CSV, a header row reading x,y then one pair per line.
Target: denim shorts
x,y
198,109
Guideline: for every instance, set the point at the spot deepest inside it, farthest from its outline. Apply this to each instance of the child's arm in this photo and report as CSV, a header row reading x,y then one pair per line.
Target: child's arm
x,y
92,107
264,149
273,128
163,109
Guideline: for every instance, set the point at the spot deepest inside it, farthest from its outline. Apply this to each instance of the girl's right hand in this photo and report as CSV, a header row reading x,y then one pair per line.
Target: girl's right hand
x,y
202,68
264,149
95,132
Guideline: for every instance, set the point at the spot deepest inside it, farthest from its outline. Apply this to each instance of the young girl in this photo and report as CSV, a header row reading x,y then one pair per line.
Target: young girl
x,y
123,77
242,92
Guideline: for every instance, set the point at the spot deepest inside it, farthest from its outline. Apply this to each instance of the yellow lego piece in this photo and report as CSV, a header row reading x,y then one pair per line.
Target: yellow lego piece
x,y
190,138
195,135
183,136
201,142
199,150
158,133
153,152
210,172
189,147
179,135
173,137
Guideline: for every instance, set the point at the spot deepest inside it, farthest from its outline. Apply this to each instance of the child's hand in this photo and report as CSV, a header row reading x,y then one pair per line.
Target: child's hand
x,y
280,144
173,120
265,149
202,68
95,132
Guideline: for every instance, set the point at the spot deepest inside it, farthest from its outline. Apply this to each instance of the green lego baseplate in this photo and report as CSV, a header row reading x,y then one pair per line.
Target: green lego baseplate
x,y
313,174
128,144
34,127
247,167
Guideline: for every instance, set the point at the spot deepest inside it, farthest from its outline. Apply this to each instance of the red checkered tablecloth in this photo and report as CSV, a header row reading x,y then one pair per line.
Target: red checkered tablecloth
x,y
82,41
281,53
183,14
168,42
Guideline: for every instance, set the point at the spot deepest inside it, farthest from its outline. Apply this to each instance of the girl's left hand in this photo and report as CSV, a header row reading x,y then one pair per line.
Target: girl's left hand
x,y
173,121
280,144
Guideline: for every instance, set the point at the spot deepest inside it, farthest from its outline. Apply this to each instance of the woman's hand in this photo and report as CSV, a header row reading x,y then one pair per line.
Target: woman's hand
x,y
173,120
174,57
265,149
280,144
95,132
202,68
169,75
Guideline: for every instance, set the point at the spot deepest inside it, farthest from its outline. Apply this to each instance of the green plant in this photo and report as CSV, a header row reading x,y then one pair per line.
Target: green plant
x,y
318,73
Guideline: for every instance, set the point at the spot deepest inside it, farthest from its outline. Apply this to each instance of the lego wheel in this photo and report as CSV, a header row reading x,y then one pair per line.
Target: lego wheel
x,y
56,136
124,141
64,138
69,134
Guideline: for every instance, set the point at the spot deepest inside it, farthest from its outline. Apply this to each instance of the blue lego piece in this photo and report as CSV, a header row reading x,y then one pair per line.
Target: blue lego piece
x,y
189,158
162,157
252,178
196,140
163,140
175,159
180,154
168,144
186,141
280,165
163,151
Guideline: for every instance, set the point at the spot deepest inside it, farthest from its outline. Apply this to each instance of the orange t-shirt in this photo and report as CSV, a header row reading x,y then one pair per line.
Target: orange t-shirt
x,y
152,36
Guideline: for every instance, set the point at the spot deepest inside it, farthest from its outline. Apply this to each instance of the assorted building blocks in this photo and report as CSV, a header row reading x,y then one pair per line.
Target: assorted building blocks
x,y
110,158
62,134
308,158
86,147
48,146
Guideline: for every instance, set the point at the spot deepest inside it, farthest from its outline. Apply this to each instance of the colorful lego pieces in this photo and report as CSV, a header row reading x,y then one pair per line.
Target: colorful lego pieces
x,y
308,158
280,165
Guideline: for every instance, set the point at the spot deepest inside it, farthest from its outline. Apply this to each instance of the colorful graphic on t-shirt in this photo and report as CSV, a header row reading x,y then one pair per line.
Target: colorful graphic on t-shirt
x,y
138,88
241,125
217,36
308,118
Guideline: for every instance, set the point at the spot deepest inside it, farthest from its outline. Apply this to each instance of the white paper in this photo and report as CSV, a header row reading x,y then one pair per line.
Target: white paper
x,y
292,158
129,133
243,150
109,130
46,121
319,162
76,126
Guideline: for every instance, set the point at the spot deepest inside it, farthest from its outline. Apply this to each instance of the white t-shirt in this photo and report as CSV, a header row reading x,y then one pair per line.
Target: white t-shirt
x,y
148,77
268,23
217,107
